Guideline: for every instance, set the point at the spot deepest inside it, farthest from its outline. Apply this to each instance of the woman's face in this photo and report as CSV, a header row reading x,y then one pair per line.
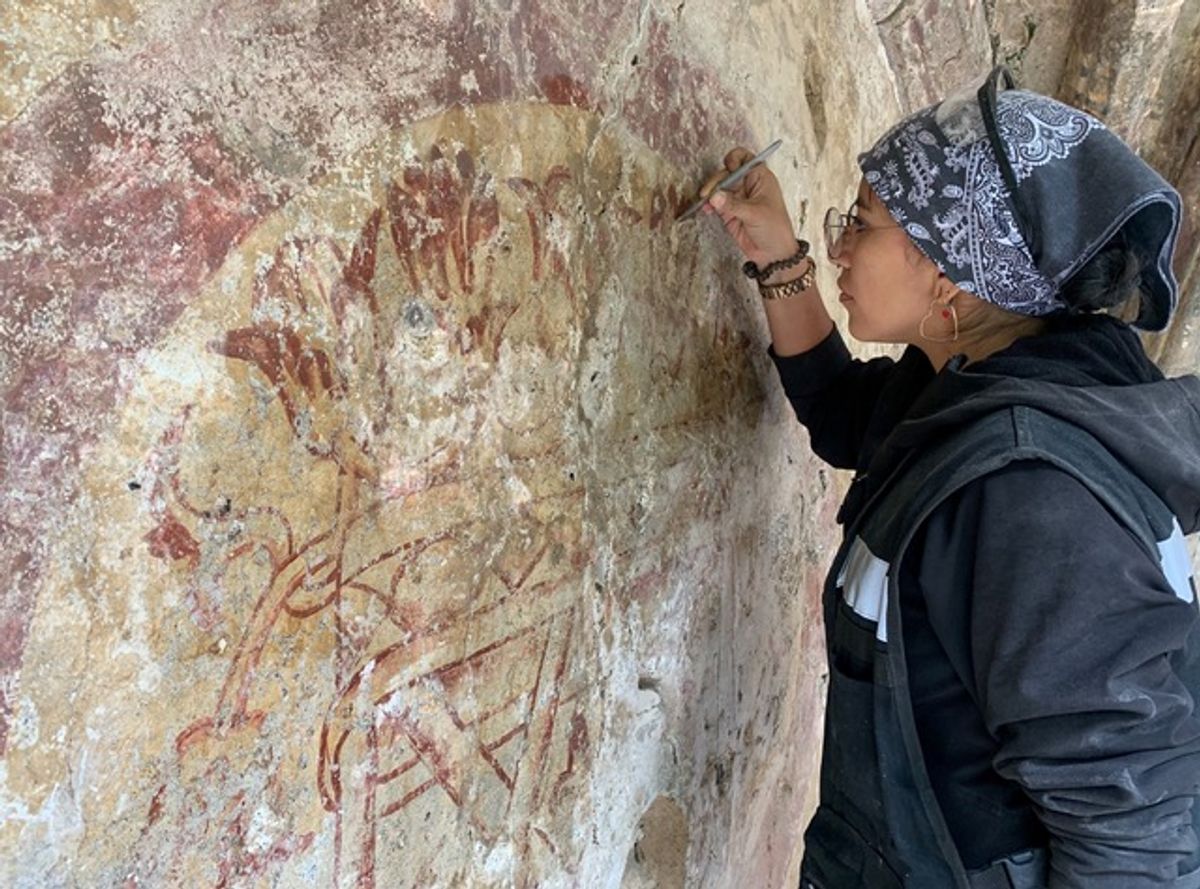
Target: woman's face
x,y
887,283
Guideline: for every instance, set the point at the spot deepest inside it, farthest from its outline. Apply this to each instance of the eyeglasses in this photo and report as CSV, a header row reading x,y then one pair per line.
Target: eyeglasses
x,y
839,227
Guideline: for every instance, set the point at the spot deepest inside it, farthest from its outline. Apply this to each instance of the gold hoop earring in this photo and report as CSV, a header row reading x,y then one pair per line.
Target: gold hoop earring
x,y
947,312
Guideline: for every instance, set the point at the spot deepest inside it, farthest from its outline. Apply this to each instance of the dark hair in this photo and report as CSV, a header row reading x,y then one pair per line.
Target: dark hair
x,y
1110,281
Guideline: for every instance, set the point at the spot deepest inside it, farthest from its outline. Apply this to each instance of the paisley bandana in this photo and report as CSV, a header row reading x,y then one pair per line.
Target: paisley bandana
x,y
1013,231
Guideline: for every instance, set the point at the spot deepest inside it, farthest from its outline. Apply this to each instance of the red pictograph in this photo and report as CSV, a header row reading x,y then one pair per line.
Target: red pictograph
x,y
471,697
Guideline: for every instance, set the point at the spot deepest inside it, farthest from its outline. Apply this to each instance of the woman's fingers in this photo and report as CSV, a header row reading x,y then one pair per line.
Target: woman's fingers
x,y
733,160
753,184
729,217
752,211
737,157
710,184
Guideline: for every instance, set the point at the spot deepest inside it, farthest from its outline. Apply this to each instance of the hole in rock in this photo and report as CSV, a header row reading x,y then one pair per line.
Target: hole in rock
x,y
659,854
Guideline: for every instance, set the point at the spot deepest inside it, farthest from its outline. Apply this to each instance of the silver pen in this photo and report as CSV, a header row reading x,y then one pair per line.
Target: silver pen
x,y
732,179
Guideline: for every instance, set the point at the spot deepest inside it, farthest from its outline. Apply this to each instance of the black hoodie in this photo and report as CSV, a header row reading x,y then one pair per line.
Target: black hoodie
x,y
1047,668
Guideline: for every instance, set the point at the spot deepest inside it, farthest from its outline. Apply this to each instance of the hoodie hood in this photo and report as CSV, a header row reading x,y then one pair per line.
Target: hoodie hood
x,y
1090,370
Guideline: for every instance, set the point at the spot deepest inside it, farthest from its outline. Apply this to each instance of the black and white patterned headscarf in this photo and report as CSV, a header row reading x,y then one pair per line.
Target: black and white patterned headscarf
x,y
1013,233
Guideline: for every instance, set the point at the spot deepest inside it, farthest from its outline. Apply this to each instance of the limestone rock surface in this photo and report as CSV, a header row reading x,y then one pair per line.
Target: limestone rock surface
x,y
393,496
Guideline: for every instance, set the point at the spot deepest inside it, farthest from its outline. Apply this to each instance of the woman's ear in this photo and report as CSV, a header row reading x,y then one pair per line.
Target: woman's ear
x,y
943,288
950,290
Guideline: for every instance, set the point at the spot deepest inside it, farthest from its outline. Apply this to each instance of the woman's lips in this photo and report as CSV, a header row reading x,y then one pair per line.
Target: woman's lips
x,y
845,298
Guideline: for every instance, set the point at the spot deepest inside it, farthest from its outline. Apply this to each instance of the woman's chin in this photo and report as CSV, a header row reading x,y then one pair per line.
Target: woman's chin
x,y
861,331
853,324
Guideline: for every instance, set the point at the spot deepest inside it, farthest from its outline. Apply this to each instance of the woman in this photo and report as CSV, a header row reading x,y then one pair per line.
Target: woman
x,y
1011,621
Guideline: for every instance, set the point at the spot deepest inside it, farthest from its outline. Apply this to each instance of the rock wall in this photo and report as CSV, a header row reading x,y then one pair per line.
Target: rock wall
x,y
393,496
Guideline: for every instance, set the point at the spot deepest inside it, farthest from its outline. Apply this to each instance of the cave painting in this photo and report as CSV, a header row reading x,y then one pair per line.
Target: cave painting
x,y
362,528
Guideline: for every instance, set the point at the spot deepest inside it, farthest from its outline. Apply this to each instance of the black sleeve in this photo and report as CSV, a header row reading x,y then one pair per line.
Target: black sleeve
x,y
833,395
1073,643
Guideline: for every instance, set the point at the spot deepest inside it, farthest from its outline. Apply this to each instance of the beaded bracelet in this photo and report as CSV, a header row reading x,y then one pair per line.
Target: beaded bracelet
x,y
753,271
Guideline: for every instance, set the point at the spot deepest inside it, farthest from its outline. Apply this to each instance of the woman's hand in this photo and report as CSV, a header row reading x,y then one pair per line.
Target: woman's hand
x,y
753,211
